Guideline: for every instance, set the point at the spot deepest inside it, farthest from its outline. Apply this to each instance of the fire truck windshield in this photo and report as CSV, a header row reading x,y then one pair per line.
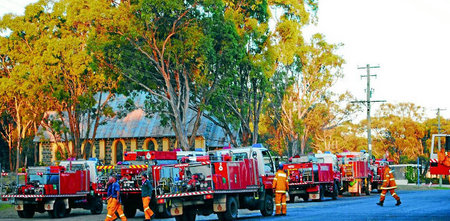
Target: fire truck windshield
x,y
43,179
268,163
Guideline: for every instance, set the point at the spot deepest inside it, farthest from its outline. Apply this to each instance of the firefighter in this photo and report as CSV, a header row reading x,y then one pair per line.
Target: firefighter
x,y
280,186
388,184
146,193
113,199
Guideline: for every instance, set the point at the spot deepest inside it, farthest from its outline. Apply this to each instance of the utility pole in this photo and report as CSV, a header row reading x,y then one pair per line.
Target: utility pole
x,y
439,138
368,105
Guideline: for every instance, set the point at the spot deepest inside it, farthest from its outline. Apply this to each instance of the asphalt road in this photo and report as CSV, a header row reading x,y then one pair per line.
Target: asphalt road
x,y
417,205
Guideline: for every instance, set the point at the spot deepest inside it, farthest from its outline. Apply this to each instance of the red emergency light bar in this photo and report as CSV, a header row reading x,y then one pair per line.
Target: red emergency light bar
x,y
195,159
150,155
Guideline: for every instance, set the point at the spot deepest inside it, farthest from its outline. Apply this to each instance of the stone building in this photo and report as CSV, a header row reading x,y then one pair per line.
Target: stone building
x,y
136,130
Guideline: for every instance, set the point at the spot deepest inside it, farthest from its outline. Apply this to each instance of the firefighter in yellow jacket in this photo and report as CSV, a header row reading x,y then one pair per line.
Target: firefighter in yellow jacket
x,y
388,184
280,186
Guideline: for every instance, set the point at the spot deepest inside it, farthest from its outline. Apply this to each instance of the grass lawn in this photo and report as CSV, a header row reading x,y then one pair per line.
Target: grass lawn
x,y
4,206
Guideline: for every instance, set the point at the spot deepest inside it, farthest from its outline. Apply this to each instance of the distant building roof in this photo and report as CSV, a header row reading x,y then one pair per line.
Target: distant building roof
x,y
138,124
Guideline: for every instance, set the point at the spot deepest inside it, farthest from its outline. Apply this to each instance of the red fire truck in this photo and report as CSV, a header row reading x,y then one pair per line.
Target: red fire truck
x,y
440,157
232,179
56,189
311,177
356,175
136,162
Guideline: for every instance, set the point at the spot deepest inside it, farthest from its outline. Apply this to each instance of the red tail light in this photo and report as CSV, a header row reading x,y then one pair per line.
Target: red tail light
x,y
4,199
160,201
103,198
208,196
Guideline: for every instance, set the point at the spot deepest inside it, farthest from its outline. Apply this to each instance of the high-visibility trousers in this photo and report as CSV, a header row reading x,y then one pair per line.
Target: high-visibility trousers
x,y
280,203
146,205
392,191
114,206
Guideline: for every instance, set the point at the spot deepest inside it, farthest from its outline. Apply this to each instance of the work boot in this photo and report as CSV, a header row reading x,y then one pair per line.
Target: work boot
x,y
380,203
398,203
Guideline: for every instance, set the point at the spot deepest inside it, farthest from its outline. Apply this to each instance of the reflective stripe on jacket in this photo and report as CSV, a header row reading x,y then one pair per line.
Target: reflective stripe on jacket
x,y
388,180
280,182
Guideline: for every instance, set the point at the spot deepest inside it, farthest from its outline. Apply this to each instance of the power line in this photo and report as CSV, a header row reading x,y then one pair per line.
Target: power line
x,y
368,102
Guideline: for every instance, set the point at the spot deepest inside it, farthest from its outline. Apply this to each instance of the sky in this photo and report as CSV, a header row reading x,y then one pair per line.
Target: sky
x,y
408,39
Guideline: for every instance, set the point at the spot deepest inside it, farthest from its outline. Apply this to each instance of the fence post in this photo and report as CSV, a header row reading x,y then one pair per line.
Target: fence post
x,y
418,172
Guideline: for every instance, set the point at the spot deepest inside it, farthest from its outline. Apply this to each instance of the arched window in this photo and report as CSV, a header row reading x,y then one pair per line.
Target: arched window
x,y
150,144
117,149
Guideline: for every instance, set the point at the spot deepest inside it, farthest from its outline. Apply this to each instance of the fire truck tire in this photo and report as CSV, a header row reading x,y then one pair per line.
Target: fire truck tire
x,y
51,214
321,194
59,209
68,211
335,194
305,197
267,207
96,206
28,211
20,214
129,210
367,189
232,210
291,199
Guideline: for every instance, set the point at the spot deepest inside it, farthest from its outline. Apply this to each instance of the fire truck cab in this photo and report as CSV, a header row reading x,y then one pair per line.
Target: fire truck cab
x,y
440,156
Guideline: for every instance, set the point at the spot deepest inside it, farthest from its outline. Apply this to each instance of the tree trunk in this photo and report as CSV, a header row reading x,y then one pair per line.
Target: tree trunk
x,y
245,137
295,147
18,154
197,122
180,136
10,157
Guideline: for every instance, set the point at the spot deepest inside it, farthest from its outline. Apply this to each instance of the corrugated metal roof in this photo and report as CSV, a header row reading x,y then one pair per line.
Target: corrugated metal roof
x,y
138,124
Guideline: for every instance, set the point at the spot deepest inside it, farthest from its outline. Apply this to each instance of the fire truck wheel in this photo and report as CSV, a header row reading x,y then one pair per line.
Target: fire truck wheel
x,y
97,206
321,194
335,191
68,211
28,211
267,209
51,213
20,214
305,197
232,210
291,199
129,210
59,209
367,189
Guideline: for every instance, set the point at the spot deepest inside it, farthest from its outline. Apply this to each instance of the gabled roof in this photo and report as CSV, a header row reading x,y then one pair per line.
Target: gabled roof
x,y
138,124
